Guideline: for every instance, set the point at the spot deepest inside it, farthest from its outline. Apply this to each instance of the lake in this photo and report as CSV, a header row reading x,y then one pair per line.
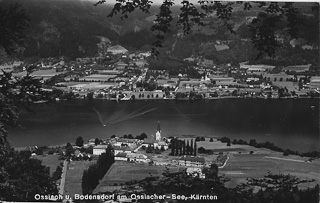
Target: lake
x,y
292,124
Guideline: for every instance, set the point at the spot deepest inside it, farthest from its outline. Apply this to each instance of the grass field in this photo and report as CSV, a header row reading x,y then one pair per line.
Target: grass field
x,y
74,177
51,161
257,165
121,172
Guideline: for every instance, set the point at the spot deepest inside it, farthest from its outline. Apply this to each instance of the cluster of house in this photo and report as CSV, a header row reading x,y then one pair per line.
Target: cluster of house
x,y
127,150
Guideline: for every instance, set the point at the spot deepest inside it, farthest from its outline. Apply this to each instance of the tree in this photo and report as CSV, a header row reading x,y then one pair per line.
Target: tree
x,y
97,141
95,172
211,139
26,178
271,16
13,22
211,172
253,142
113,136
184,147
187,148
69,150
191,147
173,146
21,177
79,141
195,149
143,136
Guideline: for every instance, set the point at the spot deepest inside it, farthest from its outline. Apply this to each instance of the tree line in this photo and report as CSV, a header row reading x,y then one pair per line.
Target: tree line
x,y
181,147
272,146
95,172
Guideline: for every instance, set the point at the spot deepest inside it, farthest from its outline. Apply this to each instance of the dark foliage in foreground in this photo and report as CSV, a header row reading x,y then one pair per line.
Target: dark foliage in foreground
x,y
95,172
21,177
263,27
271,188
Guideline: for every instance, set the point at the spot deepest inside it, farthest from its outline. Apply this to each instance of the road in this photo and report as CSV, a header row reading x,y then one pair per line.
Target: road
x,y
63,177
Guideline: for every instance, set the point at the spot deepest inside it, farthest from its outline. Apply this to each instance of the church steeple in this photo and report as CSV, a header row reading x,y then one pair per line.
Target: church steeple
x,y
158,127
158,133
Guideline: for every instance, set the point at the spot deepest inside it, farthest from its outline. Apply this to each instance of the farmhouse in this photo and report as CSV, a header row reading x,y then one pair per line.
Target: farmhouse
x,y
137,157
118,150
128,142
121,157
152,142
315,82
195,172
256,68
298,69
99,149
191,161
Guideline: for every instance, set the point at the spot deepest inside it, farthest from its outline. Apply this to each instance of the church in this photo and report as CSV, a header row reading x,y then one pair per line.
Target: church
x,y
158,133
157,141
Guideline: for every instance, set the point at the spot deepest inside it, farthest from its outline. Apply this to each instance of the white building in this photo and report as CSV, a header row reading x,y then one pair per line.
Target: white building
x,y
138,157
195,172
118,150
99,149
158,133
121,157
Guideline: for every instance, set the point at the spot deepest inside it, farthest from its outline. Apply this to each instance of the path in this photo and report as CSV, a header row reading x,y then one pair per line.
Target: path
x,y
271,157
63,177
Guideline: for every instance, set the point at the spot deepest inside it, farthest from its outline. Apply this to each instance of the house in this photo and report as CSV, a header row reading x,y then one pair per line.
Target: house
x,y
117,49
137,157
192,161
195,172
118,150
99,149
78,154
252,79
122,156
315,82
256,68
120,65
128,142
298,69
149,141
163,144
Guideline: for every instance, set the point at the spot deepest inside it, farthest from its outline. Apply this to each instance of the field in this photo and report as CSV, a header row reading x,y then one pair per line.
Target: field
x,y
242,166
121,172
51,161
46,72
74,177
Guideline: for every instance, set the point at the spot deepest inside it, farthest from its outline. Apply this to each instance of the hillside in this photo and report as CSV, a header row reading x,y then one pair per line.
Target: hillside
x,y
70,28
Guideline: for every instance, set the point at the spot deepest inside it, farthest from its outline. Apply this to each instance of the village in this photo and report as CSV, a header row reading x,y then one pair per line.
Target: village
x,y
118,74
140,157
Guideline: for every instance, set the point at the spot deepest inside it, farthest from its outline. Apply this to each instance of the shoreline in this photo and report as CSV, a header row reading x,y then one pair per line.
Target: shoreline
x,y
193,137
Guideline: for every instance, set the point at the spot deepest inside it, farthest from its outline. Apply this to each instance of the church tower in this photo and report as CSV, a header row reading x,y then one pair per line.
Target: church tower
x,y
158,133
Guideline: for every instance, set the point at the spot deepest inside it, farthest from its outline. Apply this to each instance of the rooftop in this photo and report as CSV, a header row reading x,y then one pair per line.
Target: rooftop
x,y
192,159
100,147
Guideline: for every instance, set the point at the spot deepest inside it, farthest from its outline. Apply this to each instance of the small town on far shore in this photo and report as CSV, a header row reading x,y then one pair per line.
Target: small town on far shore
x,y
117,74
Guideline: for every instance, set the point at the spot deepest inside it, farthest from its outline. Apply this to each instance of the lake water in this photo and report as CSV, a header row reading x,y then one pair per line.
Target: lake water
x,y
292,124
